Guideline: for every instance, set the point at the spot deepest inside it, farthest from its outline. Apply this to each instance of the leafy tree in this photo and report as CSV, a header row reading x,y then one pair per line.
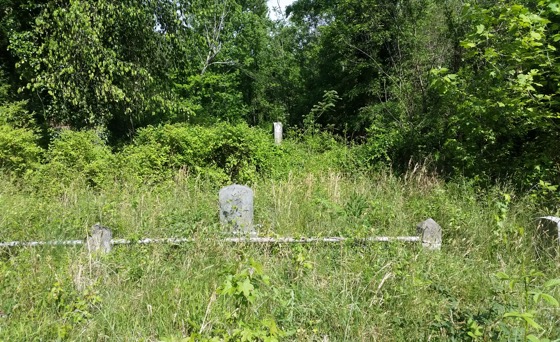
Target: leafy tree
x,y
95,63
376,54
500,109
276,88
15,16
221,42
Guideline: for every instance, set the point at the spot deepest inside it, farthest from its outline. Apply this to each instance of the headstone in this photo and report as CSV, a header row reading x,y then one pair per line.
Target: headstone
x,y
550,225
430,233
236,208
100,239
277,133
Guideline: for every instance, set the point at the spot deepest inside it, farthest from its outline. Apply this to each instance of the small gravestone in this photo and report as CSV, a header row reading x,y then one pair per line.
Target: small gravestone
x,y
550,227
277,133
430,233
236,208
100,239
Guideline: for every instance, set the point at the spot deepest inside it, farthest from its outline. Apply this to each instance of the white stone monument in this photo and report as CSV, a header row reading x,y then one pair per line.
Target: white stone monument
x,y
277,133
430,233
236,209
100,239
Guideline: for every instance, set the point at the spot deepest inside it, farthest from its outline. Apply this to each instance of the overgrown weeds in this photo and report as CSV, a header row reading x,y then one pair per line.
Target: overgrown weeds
x,y
490,281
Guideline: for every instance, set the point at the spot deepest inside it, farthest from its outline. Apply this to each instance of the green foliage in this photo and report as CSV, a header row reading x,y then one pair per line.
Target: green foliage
x,y
500,108
532,296
491,110
149,70
13,112
314,138
505,235
19,152
211,97
73,307
340,54
374,53
82,156
544,192
146,161
330,97
92,63
351,291
301,262
273,85
243,288
383,139
221,44
222,152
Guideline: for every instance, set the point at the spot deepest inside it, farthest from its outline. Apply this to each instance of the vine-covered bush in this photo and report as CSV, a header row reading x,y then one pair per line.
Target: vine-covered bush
x,y
19,152
78,155
499,109
223,152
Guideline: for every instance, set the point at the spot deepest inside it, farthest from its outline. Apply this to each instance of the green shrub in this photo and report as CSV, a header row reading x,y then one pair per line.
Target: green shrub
x,y
223,152
242,152
19,152
145,163
79,155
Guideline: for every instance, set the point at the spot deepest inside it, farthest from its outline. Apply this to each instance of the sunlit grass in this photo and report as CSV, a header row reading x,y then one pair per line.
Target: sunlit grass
x,y
317,292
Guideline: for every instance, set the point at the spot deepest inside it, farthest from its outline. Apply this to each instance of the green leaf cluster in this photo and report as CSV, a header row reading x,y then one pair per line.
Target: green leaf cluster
x,y
500,107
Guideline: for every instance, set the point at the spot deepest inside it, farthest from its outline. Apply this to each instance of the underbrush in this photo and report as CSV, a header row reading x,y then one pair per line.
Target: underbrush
x,y
219,154
495,278
491,281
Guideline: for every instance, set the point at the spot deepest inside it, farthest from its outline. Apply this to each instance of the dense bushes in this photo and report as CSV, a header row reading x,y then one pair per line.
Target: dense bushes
x,y
19,151
498,112
222,153
75,157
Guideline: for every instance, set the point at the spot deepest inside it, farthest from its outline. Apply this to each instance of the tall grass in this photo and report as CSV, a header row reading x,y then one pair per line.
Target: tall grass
x,y
317,292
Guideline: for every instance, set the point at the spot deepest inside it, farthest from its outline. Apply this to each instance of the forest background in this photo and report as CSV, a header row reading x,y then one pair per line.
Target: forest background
x,y
135,113
470,86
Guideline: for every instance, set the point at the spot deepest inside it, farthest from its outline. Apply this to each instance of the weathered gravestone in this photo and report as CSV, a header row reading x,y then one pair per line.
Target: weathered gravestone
x,y
430,233
550,227
236,209
100,239
277,133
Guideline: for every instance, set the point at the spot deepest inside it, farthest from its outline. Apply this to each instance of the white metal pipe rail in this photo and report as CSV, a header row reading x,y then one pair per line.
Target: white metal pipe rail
x,y
230,239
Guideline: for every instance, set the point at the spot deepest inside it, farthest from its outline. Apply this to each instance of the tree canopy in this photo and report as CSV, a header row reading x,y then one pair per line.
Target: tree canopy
x,y
471,85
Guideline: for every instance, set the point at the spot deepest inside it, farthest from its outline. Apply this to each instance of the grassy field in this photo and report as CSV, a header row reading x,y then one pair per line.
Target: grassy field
x,y
492,280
